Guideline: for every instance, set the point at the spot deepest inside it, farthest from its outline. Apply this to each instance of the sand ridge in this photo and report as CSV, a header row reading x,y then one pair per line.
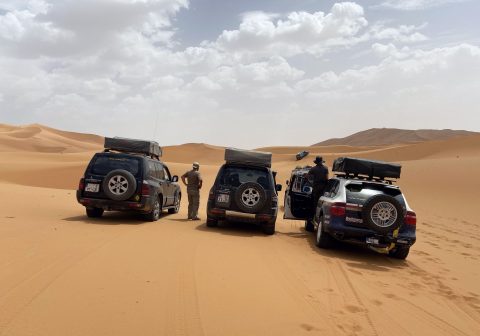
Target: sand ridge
x,y
63,273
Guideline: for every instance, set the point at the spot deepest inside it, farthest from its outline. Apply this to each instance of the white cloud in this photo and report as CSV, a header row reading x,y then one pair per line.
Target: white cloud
x,y
416,4
112,62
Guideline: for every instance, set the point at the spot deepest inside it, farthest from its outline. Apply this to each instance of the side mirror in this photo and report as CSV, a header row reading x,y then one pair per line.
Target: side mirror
x,y
175,178
287,182
278,187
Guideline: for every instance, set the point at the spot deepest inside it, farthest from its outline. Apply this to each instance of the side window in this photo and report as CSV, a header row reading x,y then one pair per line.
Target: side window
x,y
160,171
152,172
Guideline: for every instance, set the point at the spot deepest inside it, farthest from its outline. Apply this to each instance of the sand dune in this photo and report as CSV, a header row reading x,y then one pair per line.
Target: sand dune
x,y
39,138
65,274
394,136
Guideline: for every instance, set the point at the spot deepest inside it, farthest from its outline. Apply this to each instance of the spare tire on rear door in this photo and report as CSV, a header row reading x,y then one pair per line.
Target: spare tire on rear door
x,y
383,213
250,197
119,185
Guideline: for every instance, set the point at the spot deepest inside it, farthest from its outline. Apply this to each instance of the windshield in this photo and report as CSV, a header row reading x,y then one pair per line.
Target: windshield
x,y
105,164
236,176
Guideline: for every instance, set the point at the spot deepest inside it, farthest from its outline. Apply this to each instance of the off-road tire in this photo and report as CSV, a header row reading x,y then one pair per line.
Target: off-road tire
x,y
268,229
309,225
154,215
212,222
372,202
130,179
257,191
176,207
399,252
323,239
94,212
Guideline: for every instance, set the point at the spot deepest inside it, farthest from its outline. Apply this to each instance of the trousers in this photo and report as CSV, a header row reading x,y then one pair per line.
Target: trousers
x,y
193,204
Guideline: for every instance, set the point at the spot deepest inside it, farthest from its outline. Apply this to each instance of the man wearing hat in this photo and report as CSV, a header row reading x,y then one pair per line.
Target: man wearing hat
x,y
193,180
318,177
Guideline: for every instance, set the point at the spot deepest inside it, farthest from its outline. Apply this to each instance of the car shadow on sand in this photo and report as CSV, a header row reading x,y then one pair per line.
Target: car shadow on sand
x,y
355,256
232,228
112,218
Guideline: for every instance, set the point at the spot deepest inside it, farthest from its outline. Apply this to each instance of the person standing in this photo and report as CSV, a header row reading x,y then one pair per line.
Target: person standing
x,y
318,177
193,180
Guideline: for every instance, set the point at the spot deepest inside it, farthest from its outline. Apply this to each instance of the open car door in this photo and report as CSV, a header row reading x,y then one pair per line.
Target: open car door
x,y
298,198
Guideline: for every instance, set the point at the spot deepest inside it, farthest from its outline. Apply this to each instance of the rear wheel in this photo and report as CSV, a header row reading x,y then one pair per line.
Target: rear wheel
x,y
212,222
94,212
154,215
323,239
268,229
399,253
176,207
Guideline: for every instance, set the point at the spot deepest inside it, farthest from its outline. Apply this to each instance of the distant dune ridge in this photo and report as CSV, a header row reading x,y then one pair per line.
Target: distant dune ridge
x,y
392,136
39,138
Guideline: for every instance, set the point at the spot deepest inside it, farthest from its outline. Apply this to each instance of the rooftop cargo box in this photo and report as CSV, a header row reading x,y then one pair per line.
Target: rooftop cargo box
x,y
369,168
150,148
263,159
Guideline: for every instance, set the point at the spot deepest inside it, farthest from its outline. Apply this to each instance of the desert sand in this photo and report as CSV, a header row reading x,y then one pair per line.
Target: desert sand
x,y
64,274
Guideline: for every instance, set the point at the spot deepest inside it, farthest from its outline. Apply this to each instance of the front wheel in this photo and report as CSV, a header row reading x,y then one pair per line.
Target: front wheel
x,y
309,225
154,215
399,253
176,207
94,212
323,239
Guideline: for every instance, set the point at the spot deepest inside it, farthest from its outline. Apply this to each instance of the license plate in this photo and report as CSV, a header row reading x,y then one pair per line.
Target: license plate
x,y
223,198
373,241
92,187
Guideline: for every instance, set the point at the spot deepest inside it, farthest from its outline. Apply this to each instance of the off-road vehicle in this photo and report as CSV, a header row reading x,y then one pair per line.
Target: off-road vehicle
x,y
245,190
129,176
360,205
301,155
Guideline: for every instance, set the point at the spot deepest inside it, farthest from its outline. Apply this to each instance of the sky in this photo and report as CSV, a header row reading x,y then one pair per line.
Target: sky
x,y
239,73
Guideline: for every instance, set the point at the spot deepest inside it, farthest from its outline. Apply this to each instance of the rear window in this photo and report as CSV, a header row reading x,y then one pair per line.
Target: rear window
x,y
360,192
105,164
236,176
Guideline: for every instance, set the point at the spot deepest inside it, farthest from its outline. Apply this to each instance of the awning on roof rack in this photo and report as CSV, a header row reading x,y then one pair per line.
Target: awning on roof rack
x,y
133,146
369,168
263,159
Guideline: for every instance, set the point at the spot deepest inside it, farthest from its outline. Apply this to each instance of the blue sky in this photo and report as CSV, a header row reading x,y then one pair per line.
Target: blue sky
x,y
239,73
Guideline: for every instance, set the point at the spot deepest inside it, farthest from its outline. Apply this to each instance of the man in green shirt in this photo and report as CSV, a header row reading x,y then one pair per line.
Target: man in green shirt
x,y
193,180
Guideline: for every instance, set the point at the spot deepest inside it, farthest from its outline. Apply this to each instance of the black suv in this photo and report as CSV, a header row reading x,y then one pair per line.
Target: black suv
x,y
245,190
129,176
360,205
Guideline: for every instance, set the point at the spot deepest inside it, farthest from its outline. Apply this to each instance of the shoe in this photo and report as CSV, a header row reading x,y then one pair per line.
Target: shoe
x,y
196,218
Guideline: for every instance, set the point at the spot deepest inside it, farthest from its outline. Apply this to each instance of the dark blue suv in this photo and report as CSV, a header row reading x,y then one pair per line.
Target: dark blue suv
x,y
355,208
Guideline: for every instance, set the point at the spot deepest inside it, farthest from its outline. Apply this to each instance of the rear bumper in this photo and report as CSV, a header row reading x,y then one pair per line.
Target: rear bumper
x,y
363,236
144,205
222,214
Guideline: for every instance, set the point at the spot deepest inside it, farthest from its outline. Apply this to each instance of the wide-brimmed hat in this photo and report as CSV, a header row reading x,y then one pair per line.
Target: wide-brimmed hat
x,y
196,165
318,160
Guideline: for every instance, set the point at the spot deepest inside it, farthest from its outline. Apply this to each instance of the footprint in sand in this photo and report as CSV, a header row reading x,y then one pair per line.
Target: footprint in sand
x,y
354,309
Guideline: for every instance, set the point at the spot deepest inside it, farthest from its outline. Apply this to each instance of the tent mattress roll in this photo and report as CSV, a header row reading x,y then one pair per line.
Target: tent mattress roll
x,y
367,167
263,159
133,146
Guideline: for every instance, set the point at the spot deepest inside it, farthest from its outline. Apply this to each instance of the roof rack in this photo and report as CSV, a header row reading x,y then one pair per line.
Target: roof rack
x,y
365,178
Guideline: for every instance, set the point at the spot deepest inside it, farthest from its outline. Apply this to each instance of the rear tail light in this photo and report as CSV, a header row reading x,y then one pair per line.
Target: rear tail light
x,y
81,184
338,209
145,189
411,218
